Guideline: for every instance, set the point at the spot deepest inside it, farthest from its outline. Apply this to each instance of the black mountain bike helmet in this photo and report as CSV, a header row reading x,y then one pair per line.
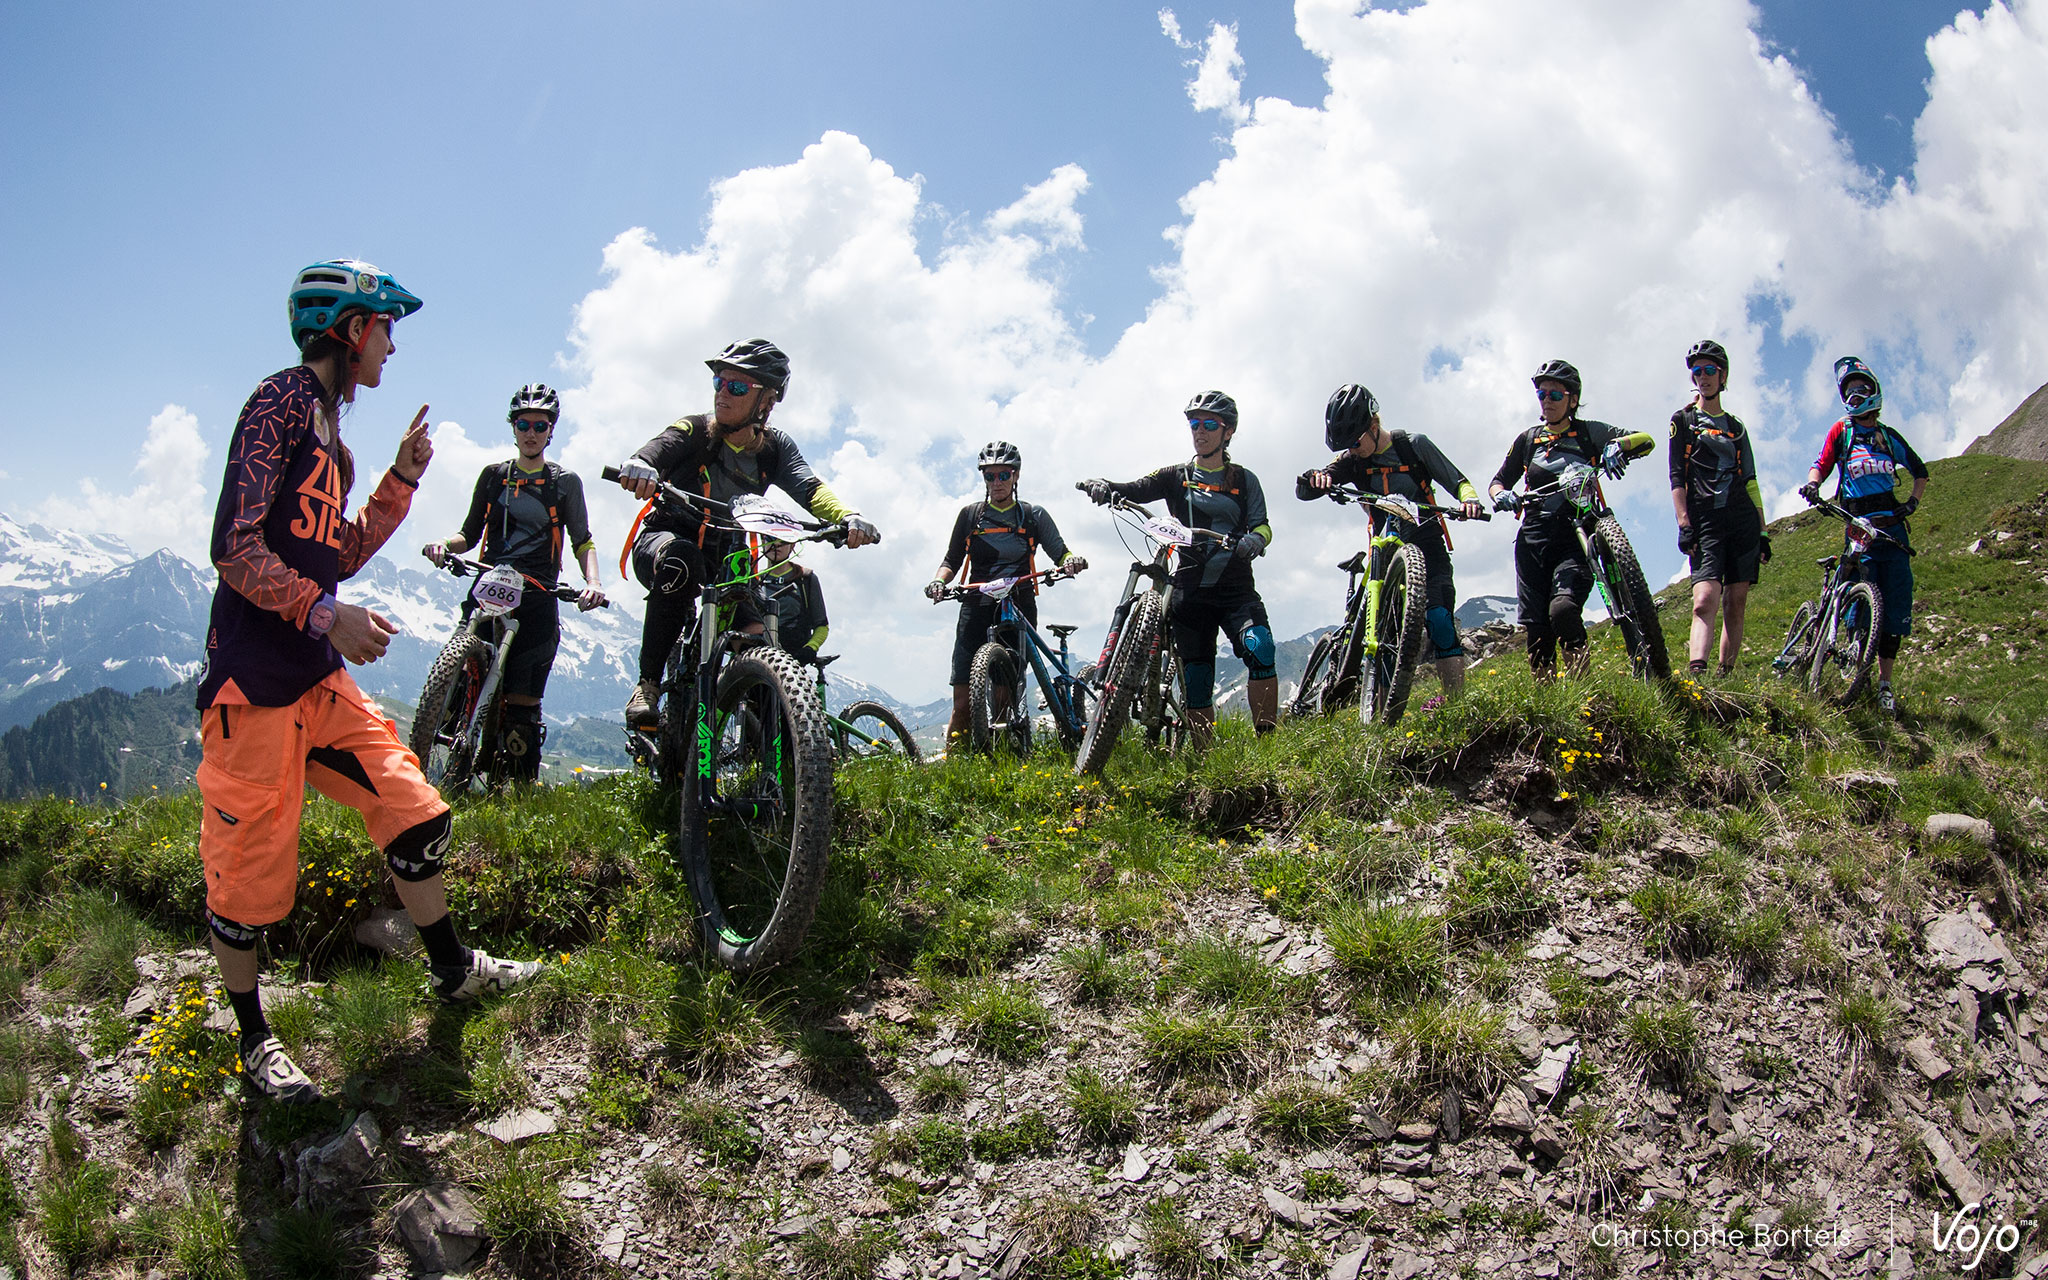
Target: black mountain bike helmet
x,y
1213,404
758,357
535,397
1559,371
999,453
1345,419
1707,349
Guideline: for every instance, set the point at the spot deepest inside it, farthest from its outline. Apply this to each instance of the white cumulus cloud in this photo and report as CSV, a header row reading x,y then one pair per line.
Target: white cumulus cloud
x,y
1453,212
170,504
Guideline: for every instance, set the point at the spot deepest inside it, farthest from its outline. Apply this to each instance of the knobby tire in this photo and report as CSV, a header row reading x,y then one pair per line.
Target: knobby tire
x,y
1846,645
997,670
1799,637
1403,597
446,705
881,724
1129,663
1641,633
755,849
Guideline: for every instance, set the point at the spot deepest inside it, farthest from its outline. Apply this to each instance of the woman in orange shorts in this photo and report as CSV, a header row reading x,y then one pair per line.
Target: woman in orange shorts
x,y
278,710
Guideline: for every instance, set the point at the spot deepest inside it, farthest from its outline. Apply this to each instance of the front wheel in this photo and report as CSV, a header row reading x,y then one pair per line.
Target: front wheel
x,y
441,737
757,810
1136,645
1847,643
1799,637
1634,608
995,699
1390,672
872,731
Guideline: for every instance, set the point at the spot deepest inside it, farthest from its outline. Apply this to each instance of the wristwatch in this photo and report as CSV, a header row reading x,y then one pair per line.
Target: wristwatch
x,y
320,618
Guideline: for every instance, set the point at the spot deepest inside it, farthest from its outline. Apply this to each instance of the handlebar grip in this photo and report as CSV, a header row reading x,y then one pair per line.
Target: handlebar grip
x,y
609,473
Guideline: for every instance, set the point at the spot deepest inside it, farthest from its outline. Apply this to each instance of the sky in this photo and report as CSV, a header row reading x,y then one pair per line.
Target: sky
x,y
1050,223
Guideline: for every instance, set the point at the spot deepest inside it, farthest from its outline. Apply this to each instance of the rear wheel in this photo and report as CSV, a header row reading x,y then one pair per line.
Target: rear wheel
x,y
1390,673
440,728
1798,650
1136,647
995,700
757,814
873,730
1635,609
1308,698
1847,643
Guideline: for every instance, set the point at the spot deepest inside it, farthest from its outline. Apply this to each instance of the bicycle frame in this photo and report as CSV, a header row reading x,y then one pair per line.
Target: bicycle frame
x,y
1580,485
1838,571
1055,683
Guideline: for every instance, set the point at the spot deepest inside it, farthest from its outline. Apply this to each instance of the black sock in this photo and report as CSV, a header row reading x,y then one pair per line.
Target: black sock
x,y
444,951
248,1007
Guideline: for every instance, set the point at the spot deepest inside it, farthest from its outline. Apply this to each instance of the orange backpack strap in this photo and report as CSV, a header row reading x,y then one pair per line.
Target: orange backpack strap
x,y
632,535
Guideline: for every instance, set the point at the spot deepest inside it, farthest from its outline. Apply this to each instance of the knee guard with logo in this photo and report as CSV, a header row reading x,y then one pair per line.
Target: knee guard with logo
x,y
1443,632
241,937
1259,652
519,742
1888,645
1200,680
419,850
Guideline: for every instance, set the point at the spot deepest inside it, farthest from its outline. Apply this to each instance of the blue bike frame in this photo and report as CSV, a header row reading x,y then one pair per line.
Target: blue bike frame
x,y
1058,683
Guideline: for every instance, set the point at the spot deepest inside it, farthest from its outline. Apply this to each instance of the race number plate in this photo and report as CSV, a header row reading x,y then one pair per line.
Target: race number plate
x,y
1168,530
998,588
760,516
497,590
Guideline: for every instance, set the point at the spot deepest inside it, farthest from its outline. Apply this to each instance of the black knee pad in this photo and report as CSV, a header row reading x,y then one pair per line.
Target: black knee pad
x,y
1888,645
1567,622
419,850
241,937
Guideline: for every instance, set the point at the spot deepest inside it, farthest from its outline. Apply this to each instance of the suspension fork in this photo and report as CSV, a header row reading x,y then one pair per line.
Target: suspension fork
x,y
493,678
1383,548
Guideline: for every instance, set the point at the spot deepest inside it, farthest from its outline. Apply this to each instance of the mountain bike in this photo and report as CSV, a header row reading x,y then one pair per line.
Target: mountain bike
x,y
997,714
744,734
1372,655
1615,569
455,729
1138,674
1832,641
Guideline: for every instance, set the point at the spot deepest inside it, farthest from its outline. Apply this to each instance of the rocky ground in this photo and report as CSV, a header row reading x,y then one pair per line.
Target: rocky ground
x,y
1851,1152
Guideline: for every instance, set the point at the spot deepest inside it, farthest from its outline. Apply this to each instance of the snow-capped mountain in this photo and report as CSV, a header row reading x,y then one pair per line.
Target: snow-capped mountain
x,y
1478,611
80,612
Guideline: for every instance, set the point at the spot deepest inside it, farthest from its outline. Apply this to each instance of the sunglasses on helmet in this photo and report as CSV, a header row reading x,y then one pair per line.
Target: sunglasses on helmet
x,y
1206,424
1552,396
732,386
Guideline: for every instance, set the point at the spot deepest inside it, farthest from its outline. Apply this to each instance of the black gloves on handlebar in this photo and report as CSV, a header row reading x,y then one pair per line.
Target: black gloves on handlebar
x,y
935,589
1810,491
1507,500
1098,491
1249,547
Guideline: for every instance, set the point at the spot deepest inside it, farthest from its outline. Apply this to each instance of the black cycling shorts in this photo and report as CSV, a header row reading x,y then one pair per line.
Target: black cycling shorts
x,y
533,649
1727,547
1199,612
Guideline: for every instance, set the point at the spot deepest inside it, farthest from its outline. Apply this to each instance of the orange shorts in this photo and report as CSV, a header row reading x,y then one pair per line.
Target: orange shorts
x,y
257,764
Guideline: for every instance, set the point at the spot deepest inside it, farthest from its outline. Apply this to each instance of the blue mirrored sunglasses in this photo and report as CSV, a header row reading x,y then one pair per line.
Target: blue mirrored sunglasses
x,y
1702,370
732,386
1206,424
521,424
998,473
1552,396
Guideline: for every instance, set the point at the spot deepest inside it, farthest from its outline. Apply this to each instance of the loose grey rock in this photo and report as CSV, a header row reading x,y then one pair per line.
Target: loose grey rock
x,y
1547,1080
1286,1207
1352,1265
1966,1186
1926,1061
1136,1166
389,930
1399,1190
1942,826
1511,1111
842,1159
1405,1159
1406,1266
515,1127
1954,941
441,1227
795,1226
339,1166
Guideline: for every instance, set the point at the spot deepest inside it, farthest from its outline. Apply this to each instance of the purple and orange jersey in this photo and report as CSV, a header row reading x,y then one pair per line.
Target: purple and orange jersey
x,y
282,540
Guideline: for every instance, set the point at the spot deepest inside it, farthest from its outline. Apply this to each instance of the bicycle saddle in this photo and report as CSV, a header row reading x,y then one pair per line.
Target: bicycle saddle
x,y
1355,564
1063,632
1827,562
825,660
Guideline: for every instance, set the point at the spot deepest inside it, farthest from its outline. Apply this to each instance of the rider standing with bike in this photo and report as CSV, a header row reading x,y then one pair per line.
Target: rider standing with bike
x,y
1720,508
278,710
721,455
1400,464
1212,580
1552,578
997,537
520,509
799,600
1869,455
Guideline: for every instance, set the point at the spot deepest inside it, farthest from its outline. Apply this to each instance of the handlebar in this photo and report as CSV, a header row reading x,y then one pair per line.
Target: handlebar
x,y
1344,493
1868,529
711,509
461,568
961,590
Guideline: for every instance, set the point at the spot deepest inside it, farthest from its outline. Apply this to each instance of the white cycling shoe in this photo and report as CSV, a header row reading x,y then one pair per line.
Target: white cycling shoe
x,y
270,1071
485,975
